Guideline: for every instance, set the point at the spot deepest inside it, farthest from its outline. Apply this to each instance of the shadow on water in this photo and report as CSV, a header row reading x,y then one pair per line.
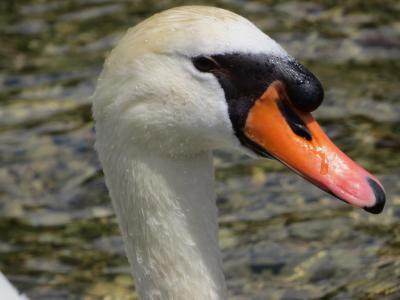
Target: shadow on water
x,y
280,237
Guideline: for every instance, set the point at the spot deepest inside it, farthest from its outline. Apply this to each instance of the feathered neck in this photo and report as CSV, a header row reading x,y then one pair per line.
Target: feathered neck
x,y
168,217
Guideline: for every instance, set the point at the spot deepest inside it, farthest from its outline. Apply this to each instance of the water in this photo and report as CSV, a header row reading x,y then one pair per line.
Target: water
x,y
281,238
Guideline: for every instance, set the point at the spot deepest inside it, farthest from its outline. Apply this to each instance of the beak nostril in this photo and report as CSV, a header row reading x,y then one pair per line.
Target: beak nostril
x,y
294,122
380,197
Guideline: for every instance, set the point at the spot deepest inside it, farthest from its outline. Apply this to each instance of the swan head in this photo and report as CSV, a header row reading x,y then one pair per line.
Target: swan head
x,y
193,79
155,82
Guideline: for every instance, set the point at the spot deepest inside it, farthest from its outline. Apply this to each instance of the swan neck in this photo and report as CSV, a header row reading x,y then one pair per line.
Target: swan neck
x,y
167,213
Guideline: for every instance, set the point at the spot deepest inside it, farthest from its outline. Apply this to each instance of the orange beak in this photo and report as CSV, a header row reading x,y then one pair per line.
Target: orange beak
x,y
295,138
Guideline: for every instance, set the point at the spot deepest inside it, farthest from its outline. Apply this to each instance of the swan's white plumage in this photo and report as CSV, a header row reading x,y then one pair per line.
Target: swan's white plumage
x,y
8,291
191,31
157,121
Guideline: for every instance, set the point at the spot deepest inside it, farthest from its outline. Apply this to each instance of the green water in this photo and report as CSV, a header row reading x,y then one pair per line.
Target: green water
x,y
281,237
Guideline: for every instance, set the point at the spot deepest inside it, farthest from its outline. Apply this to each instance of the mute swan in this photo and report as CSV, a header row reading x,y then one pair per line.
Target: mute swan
x,y
178,85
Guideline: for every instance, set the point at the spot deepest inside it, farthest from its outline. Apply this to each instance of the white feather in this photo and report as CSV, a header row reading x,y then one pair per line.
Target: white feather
x,y
8,291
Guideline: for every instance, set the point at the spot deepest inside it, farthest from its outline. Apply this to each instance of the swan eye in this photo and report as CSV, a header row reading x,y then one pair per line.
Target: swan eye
x,y
204,63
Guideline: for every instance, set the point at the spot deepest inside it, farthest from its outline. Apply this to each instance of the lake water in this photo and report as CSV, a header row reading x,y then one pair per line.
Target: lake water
x,y
282,239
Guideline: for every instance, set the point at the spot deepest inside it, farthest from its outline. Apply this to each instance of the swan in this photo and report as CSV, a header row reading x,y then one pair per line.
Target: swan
x,y
177,86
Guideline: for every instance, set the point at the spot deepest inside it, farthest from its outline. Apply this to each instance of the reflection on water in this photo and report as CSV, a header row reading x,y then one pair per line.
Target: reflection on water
x,y
280,237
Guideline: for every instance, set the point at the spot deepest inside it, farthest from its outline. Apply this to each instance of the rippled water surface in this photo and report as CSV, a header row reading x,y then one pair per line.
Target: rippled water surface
x,y
281,237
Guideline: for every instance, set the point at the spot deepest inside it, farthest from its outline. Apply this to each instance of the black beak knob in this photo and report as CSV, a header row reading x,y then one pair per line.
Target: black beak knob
x,y
303,87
